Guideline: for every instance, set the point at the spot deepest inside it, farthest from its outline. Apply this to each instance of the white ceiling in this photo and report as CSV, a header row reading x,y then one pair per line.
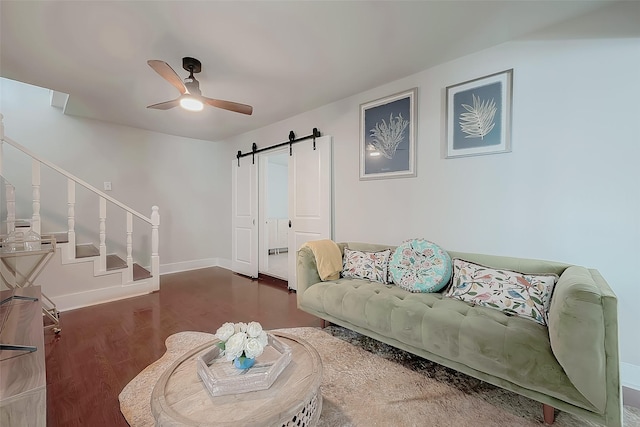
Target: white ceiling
x,y
283,58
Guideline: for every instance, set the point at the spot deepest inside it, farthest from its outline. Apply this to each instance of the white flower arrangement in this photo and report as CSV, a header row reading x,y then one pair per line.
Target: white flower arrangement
x,y
239,340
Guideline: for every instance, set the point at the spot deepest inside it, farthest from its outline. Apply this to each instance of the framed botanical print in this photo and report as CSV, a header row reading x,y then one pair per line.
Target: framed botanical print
x,y
388,136
478,116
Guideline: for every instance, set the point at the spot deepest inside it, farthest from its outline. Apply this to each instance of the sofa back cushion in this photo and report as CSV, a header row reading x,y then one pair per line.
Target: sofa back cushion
x,y
531,266
365,247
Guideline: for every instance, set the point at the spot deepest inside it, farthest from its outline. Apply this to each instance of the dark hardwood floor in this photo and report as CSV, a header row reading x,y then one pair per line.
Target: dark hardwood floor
x,y
102,347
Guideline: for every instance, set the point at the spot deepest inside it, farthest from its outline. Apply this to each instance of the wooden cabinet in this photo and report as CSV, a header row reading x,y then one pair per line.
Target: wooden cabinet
x,y
23,394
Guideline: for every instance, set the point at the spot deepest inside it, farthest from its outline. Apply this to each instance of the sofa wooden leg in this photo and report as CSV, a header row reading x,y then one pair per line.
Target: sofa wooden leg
x,y
548,413
324,323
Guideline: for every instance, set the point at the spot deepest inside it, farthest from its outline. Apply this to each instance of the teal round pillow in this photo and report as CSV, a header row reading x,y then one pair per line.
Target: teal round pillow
x,y
419,265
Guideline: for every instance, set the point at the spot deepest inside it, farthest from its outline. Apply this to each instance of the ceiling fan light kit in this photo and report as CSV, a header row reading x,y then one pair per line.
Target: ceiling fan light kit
x,y
191,98
190,103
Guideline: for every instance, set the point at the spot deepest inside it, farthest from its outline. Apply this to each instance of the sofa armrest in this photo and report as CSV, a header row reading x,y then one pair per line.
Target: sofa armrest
x,y
583,330
306,270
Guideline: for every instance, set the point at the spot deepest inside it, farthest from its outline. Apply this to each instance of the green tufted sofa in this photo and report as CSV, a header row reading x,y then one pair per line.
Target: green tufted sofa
x,y
571,365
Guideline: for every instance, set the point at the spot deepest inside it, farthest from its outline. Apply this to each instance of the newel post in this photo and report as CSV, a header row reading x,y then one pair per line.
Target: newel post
x,y
155,244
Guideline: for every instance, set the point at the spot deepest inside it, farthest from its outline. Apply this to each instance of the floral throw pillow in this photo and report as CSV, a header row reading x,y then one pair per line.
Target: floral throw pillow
x,y
419,265
526,295
373,266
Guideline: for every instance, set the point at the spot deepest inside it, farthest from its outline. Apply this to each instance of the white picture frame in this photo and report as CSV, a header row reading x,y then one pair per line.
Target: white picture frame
x,y
388,136
478,116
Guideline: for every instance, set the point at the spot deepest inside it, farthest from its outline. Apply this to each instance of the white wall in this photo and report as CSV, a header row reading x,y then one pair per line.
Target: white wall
x,y
569,191
188,179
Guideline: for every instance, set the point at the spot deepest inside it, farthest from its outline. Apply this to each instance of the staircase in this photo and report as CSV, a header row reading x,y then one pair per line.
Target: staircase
x,y
82,274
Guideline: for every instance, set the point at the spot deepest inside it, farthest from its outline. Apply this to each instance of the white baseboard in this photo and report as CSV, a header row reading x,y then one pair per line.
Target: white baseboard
x,y
630,375
98,296
224,263
630,378
631,397
177,267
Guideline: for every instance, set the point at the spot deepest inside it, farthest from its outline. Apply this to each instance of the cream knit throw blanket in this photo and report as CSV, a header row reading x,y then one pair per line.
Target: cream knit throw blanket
x,y
328,258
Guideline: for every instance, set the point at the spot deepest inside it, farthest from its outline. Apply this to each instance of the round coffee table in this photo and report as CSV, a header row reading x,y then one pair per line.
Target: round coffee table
x,y
181,399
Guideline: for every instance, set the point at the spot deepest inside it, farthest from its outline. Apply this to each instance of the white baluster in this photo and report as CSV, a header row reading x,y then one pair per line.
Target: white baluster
x,y
10,191
129,247
71,218
103,234
1,142
155,243
35,183
11,208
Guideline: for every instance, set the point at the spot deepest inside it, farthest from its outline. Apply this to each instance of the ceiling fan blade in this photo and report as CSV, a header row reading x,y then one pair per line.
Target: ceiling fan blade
x,y
165,105
228,105
167,73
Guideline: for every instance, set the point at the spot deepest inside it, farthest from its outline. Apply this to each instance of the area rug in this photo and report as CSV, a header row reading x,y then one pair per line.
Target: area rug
x,y
368,383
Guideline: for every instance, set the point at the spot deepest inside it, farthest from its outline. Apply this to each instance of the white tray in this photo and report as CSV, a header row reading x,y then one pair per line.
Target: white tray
x,y
220,377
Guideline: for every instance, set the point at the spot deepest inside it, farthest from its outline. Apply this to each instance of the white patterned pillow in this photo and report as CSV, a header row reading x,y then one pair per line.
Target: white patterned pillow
x,y
373,266
526,295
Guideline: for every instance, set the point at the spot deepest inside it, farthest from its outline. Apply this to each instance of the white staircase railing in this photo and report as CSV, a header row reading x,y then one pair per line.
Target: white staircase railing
x,y
153,220
10,193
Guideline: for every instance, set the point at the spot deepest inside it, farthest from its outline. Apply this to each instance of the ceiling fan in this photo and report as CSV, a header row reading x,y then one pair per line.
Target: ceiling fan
x,y
190,96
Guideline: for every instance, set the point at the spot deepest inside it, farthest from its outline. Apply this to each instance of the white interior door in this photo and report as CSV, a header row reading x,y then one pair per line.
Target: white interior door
x,y
244,211
310,198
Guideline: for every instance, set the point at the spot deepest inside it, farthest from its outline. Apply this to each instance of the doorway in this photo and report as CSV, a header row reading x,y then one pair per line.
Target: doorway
x,y
310,207
274,214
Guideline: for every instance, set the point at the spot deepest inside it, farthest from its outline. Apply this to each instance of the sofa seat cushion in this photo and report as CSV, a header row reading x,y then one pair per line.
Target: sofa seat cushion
x,y
508,347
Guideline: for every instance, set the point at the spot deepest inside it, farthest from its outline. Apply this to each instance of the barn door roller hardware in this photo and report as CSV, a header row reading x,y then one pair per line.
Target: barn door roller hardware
x,y
292,140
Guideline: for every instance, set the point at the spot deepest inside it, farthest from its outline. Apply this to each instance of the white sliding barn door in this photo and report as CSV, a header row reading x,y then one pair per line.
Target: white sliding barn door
x,y
309,197
244,211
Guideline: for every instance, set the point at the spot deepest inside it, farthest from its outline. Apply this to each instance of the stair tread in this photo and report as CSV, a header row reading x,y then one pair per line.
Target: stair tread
x,y
114,262
60,237
22,223
139,272
85,251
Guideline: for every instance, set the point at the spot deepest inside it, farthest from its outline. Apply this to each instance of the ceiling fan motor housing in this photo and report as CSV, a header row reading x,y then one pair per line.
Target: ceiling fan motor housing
x,y
193,86
191,64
